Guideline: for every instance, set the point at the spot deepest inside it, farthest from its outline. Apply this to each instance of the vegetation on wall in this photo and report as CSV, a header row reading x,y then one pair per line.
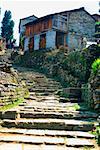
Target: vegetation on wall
x,y
70,68
96,65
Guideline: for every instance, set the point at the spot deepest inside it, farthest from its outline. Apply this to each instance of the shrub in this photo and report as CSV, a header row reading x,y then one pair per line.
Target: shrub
x,y
75,64
96,65
92,53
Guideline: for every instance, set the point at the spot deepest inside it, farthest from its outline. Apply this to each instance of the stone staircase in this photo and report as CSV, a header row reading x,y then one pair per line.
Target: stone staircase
x,y
43,122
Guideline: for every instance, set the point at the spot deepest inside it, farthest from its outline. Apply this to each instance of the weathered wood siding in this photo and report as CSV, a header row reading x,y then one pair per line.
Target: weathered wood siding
x,y
38,27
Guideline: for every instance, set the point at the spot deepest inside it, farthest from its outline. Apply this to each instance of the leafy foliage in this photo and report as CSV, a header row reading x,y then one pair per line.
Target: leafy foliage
x,y
92,53
96,132
14,104
75,63
71,69
7,27
96,65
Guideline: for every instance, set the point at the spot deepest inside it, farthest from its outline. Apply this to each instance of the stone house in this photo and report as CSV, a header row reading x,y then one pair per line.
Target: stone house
x,y
22,23
69,28
97,27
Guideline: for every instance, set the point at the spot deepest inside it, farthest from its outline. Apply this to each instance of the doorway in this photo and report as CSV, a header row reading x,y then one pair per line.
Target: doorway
x,y
59,39
31,44
42,44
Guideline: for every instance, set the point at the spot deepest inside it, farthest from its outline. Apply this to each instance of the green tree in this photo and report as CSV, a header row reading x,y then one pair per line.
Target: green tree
x,y
7,27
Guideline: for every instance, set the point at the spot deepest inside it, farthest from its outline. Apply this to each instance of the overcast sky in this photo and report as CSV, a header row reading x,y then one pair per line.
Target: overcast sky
x,y
24,8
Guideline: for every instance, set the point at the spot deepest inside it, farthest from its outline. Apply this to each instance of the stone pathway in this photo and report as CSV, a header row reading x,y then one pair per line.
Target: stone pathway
x,y
42,122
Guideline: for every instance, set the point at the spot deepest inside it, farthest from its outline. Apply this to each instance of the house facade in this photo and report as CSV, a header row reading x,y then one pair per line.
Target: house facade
x,y
22,29
46,32
69,28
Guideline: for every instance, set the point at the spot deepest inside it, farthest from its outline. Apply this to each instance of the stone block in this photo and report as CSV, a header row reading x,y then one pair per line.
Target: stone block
x,y
9,115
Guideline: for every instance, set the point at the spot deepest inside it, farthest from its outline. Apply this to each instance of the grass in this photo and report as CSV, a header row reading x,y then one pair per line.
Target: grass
x,y
74,107
14,104
96,132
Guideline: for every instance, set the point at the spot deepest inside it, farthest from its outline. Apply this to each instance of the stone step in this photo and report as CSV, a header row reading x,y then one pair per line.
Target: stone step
x,y
21,146
47,105
41,90
57,114
48,101
55,124
42,96
69,134
45,140
39,104
47,86
45,81
73,100
40,99
56,106
47,113
43,93
50,97
11,114
56,109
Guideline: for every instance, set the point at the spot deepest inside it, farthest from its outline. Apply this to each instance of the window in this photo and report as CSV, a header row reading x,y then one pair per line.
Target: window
x,y
45,25
55,23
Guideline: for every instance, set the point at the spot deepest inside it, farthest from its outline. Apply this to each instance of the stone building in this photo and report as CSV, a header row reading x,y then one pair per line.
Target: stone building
x,y
22,23
69,28
97,27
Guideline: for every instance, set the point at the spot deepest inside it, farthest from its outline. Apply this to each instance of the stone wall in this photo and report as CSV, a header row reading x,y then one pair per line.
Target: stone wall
x,y
74,41
80,26
95,88
91,92
82,23
11,89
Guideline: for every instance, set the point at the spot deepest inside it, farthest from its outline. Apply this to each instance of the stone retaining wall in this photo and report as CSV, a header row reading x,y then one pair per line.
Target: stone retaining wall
x,y
91,92
11,90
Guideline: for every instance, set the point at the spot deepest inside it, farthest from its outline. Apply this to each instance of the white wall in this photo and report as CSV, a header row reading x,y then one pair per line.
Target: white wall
x,y
26,42
36,41
50,39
